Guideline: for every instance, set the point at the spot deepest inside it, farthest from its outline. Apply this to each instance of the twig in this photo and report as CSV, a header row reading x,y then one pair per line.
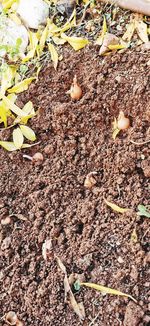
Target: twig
x,y
92,322
140,144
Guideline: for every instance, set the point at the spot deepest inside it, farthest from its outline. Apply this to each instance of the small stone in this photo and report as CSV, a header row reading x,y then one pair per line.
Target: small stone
x,y
120,260
6,243
134,273
6,221
90,180
37,158
147,284
46,248
133,314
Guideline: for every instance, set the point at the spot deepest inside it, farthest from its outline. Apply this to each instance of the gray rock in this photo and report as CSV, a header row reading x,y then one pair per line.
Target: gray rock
x,y
33,12
10,32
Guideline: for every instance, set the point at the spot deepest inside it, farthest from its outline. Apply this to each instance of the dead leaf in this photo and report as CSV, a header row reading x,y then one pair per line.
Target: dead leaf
x,y
129,32
76,42
109,39
107,290
115,207
141,28
77,307
134,237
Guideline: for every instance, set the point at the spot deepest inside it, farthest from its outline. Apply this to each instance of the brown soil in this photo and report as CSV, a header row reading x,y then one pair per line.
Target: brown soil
x,y
93,242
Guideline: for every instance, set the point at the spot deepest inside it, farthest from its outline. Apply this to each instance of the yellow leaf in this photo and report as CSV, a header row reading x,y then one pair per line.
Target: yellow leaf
x,y
100,39
12,107
22,86
12,97
115,133
129,32
78,308
52,28
9,146
116,46
8,74
18,138
115,207
107,290
28,132
4,113
70,23
134,237
76,42
28,108
7,3
141,28
54,54
43,40
58,41
37,72
29,111
34,39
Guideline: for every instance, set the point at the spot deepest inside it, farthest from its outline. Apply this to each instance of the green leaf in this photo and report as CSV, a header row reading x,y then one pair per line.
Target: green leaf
x,y
18,138
142,211
77,285
28,132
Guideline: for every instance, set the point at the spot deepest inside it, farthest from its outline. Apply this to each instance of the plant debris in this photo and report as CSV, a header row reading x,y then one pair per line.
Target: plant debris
x,y
77,307
115,207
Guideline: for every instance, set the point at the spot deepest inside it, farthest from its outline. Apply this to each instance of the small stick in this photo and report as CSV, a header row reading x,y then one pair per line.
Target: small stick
x,y
140,144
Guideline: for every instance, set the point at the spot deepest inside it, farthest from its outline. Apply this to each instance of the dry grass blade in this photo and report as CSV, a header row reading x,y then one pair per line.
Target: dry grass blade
x,y
115,207
107,290
77,307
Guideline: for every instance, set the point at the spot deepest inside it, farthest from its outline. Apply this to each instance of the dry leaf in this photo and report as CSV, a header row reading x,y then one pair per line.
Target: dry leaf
x,y
115,207
76,42
12,107
141,28
107,290
28,132
109,39
115,133
18,138
78,308
21,86
129,32
7,76
54,54
9,146
134,237
43,39
99,40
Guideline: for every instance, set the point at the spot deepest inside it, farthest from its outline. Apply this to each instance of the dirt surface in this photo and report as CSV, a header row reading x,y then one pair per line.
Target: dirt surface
x,y
94,243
